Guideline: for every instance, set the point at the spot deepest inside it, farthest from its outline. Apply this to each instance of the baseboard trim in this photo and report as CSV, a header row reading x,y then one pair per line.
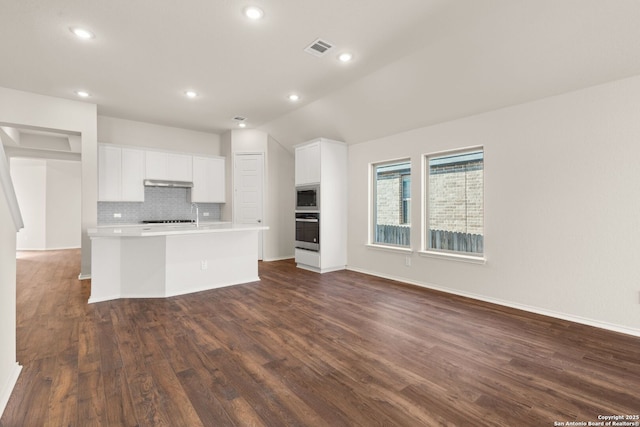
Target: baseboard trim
x,y
282,258
93,300
84,276
537,310
7,387
48,249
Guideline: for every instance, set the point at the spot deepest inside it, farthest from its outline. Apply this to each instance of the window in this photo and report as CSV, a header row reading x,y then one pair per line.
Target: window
x,y
406,199
392,203
455,202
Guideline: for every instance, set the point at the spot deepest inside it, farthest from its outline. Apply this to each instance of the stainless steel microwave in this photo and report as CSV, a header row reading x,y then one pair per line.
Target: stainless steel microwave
x,y
308,198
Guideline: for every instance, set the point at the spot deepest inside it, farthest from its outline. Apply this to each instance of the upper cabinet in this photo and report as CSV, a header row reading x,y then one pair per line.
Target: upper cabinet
x,y
208,180
132,175
169,166
109,173
122,171
307,169
120,174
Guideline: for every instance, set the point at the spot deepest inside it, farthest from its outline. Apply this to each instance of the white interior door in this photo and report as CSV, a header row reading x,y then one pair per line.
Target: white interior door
x,y
248,182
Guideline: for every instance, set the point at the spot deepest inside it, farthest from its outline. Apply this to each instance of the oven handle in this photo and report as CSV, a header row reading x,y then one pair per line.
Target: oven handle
x,y
306,220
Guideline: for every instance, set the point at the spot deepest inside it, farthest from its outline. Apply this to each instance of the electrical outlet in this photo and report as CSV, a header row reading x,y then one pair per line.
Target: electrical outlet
x,y
117,215
407,261
205,213
203,264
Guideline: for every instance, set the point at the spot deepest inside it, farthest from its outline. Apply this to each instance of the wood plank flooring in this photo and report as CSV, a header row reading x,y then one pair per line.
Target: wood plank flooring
x,y
302,349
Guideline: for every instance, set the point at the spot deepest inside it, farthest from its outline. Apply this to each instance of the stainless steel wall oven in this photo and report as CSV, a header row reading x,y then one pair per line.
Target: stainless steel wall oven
x,y
308,231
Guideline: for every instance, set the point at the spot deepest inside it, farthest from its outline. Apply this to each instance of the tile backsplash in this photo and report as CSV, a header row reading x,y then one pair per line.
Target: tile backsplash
x,y
159,203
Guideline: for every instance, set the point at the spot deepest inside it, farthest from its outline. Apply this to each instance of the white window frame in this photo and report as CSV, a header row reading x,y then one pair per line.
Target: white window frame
x,y
440,253
373,203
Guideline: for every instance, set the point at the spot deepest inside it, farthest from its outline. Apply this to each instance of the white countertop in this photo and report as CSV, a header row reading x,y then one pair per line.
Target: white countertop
x,y
170,229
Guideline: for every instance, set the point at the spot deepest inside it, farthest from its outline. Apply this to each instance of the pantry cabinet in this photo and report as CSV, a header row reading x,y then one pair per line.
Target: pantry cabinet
x,y
323,162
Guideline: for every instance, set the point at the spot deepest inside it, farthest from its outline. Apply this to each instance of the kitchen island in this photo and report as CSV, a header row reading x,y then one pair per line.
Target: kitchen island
x,y
167,260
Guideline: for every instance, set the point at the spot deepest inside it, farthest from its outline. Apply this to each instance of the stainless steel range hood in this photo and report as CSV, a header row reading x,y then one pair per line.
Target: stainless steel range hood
x,y
167,183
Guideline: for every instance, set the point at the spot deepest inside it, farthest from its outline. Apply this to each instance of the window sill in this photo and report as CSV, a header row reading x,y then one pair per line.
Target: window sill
x,y
453,257
397,249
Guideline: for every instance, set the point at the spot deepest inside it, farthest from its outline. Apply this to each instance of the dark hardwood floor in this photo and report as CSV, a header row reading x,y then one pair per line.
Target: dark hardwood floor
x,y
302,349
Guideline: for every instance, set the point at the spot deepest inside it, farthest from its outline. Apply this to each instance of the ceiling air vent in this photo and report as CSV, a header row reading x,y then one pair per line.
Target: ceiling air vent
x,y
319,47
240,118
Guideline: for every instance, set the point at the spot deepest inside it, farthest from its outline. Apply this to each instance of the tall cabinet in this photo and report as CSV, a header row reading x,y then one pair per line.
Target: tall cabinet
x,y
324,161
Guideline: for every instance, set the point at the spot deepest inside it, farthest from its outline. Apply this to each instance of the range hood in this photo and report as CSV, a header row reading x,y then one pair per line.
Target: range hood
x,y
167,183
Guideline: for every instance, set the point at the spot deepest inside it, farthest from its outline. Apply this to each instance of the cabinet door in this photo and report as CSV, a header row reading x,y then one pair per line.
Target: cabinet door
x,y
180,167
156,165
109,173
313,163
132,175
300,172
208,180
307,167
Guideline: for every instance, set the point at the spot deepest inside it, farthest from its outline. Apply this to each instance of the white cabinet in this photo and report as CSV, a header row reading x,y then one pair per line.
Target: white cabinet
x,y
156,164
120,174
324,161
169,166
109,173
307,168
208,180
122,171
132,175
180,167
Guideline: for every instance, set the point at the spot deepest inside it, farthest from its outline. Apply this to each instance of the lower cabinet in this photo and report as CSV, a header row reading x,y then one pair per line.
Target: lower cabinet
x,y
309,259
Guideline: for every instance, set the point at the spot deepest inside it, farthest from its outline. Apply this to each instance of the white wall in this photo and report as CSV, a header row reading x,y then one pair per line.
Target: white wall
x,y
127,132
29,180
22,109
26,109
49,195
9,368
64,204
280,206
562,212
278,188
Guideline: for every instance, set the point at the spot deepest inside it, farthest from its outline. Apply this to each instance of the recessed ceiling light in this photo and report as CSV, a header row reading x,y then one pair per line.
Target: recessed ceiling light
x,y
191,94
253,12
242,125
82,93
294,97
82,33
345,57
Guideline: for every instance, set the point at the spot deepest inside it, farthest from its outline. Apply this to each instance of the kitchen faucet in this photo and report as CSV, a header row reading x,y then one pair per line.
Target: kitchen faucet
x,y
197,216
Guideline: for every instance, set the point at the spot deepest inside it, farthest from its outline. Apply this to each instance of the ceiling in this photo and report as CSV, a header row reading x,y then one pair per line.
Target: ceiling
x,y
416,63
